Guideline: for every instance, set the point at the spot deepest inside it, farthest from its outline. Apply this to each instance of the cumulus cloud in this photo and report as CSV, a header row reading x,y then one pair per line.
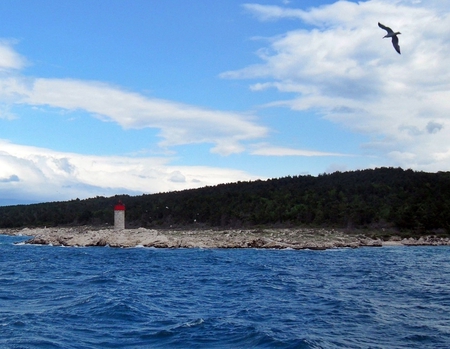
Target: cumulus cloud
x,y
342,68
44,175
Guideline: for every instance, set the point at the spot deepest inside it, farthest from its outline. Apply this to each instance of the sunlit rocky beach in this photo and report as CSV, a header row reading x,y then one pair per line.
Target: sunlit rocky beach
x,y
273,238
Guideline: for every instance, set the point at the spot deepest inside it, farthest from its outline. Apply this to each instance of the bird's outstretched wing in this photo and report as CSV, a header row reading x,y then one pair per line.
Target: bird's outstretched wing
x,y
395,44
389,30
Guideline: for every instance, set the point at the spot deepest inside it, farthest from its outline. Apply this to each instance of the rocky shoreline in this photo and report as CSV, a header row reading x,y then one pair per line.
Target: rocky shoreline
x,y
289,238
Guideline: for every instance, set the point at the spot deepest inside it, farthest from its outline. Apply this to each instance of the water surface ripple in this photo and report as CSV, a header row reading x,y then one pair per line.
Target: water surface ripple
x,y
59,297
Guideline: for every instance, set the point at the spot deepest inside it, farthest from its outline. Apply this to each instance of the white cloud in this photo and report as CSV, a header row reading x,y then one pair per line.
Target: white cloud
x,y
272,12
179,123
32,173
342,68
268,150
9,58
177,177
12,178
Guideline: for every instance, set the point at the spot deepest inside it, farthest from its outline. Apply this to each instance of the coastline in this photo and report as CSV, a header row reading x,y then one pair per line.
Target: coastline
x,y
271,238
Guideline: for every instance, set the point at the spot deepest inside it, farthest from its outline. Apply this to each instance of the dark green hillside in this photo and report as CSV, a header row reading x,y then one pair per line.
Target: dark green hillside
x,y
384,197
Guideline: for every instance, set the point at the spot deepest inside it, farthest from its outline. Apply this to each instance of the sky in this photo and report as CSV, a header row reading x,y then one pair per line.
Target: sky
x,y
106,97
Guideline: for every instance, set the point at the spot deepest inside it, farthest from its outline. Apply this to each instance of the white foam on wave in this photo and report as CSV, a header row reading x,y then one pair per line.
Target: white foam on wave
x,y
194,322
337,249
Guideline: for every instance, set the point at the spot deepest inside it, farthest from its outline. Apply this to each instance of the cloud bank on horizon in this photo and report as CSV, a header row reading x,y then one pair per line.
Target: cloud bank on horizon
x,y
330,94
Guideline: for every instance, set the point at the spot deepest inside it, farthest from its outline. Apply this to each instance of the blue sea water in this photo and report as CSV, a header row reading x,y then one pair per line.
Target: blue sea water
x,y
101,297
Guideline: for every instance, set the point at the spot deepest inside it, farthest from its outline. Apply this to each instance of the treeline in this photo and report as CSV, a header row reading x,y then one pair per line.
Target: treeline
x,y
379,198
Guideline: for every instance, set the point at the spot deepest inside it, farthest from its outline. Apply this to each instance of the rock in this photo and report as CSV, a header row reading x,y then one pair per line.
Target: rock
x,y
295,238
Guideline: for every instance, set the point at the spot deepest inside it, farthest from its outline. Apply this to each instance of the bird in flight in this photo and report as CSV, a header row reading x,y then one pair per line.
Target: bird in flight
x,y
391,34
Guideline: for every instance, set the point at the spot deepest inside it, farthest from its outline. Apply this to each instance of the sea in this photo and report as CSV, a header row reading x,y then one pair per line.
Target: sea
x,y
103,297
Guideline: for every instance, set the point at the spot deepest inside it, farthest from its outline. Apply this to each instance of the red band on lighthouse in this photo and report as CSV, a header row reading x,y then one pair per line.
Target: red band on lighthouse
x,y
119,207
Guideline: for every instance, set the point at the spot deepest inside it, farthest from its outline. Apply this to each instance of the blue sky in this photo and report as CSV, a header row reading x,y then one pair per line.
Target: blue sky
x,y
108,97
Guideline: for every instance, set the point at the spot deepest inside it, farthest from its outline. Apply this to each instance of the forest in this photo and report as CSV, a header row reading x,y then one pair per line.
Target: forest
x,y
393,198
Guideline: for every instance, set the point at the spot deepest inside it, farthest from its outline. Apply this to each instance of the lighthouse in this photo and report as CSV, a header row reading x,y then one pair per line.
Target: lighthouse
x,y
119,216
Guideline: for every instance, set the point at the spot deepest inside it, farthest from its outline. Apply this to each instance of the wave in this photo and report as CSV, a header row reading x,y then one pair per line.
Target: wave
x,y
191,298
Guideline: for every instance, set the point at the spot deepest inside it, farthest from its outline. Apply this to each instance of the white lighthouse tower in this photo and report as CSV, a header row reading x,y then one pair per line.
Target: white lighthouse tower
x,y
119,216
